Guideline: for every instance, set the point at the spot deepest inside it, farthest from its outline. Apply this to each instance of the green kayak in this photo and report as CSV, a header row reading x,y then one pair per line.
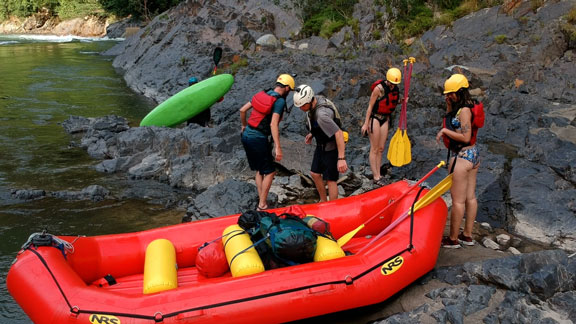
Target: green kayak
x,y
189,102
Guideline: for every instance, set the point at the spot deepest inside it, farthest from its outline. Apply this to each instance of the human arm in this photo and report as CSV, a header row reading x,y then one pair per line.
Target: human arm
x,y
465,133
243,111
275,130
308,139
341,146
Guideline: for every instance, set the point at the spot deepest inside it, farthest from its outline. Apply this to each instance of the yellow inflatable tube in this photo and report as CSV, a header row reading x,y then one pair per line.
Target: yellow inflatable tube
x,y
160,267
245,263
327,249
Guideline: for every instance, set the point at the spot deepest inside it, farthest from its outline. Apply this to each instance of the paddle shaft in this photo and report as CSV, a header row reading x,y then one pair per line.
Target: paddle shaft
x,y
441,164
348,236
430,196
403,124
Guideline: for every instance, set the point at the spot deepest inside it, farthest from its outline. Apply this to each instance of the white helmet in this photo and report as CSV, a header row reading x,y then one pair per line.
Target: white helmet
x,y
303,95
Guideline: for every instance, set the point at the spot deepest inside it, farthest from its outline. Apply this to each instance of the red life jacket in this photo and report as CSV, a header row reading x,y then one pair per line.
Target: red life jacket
x,y
261,116
386,104
478,119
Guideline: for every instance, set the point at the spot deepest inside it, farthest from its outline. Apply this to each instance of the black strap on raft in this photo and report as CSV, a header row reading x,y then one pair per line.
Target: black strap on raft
x,y
110,279
246,249
410,246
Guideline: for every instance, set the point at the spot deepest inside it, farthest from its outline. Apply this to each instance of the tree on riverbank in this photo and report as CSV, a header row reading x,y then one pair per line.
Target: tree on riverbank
x,y
140,9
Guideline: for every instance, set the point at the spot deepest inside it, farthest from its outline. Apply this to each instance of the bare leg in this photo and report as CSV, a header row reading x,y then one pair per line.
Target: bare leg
x,y
381,144
317,178
332,190
471,202
265,185
258,180
375,156
458,193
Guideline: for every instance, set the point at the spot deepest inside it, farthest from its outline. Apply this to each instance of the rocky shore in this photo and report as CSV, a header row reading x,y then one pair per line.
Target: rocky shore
x,y
526,184
521,64
42,23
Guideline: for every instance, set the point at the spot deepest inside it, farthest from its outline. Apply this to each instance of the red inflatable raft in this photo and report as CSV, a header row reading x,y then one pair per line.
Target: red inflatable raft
x,y
100,279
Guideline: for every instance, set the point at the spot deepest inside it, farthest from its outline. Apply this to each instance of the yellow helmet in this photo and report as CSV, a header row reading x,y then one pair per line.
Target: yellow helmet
x,y
455,82
394,75
286,80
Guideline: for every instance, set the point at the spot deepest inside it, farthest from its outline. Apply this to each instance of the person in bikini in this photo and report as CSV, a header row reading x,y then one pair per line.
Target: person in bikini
x,y
464,164
383,100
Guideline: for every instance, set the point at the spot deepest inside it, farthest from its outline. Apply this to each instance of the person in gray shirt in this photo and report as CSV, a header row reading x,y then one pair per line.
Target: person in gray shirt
x,y
325,127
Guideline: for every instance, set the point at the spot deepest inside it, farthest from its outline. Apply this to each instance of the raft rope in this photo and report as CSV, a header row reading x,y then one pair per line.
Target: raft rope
x,y
159,317
47,239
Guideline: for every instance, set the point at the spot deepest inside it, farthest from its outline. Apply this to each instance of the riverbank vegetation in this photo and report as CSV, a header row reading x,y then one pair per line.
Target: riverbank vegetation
x,y
409,17
65,9
320,17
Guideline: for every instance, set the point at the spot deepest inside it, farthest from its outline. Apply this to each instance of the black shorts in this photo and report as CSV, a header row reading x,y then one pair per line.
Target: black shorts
x,y
325,163
259,154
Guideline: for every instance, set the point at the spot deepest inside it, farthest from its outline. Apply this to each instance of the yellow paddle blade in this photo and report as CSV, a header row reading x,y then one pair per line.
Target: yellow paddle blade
x,y
396,149
407,148
348,236
436,192
393,143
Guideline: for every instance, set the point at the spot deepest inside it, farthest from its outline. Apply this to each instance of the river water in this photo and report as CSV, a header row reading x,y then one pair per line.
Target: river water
x,y
43,81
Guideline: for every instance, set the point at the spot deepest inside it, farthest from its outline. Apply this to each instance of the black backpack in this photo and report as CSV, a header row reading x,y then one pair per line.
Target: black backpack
x,y
280,240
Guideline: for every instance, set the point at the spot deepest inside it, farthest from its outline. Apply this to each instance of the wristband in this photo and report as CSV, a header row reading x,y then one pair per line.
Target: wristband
x,y
341,159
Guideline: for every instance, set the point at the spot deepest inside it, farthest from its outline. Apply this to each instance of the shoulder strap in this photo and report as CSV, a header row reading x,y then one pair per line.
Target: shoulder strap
x,y
327,103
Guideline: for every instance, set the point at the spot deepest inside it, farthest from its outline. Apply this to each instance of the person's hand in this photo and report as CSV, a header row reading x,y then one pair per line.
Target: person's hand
x,y
308,139
448,103
278,153
242,130
342,166
364,130
439,135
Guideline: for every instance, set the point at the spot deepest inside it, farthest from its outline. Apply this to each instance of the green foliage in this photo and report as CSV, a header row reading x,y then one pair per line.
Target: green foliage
x,y
74,8
414,17
570,32
569,27
140,9
535,4
184,61
240,63
324,17
65,9
329,27
500,39
571,16
417,16
23,8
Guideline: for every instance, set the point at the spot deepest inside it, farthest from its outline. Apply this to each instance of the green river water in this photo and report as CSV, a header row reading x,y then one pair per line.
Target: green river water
x,y
43,81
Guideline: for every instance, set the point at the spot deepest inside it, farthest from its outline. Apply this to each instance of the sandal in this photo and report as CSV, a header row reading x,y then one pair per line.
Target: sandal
x,y
380,182
262,208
